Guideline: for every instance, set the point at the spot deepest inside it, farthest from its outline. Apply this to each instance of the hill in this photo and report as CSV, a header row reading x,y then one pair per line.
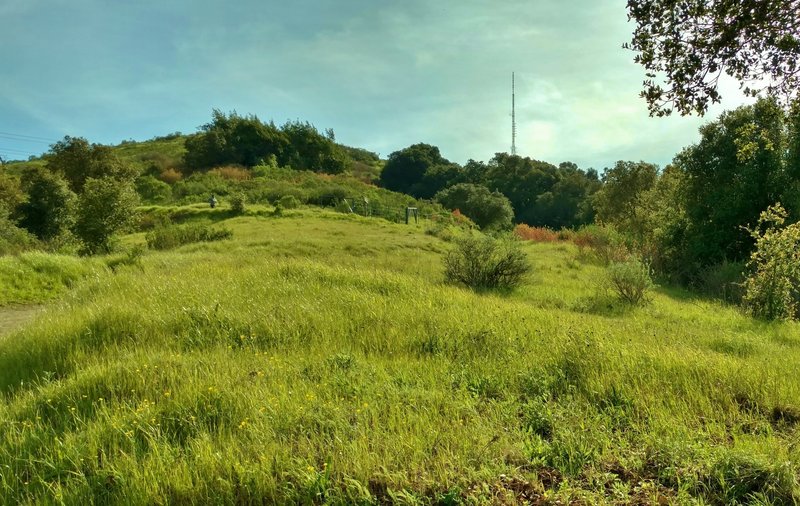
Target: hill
x,y
318,357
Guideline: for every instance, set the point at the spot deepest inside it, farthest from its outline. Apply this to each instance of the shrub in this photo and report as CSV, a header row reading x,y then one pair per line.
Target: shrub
x,y
13,239
604,243
772,290
170,176
232,173
489,210
151,189
49,209
238,203
105,207
178,235
288,202
486,263
535,234
630,280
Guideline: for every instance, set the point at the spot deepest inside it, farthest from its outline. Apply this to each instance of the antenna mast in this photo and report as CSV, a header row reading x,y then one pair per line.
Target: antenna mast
x,y
513,119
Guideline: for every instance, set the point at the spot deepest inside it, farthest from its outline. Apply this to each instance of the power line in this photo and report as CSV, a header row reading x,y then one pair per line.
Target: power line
x,y
31,137
9,138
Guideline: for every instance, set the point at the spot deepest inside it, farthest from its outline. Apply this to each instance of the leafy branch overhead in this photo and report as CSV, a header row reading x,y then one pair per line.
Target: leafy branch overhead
x,y
686,46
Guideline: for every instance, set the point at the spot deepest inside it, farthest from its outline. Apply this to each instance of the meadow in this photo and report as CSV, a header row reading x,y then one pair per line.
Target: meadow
x,y
319,357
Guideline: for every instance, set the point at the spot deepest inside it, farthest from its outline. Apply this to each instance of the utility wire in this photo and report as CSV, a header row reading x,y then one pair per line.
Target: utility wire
x,y
15,139
32,137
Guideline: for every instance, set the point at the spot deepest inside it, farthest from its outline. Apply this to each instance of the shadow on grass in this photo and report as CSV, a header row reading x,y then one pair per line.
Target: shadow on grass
x,y
602,305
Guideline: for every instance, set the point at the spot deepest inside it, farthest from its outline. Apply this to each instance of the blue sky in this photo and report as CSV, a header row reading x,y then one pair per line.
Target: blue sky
x,y
383,74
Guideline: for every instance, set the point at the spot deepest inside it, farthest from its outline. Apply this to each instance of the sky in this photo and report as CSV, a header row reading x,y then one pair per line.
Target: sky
x,y
383,74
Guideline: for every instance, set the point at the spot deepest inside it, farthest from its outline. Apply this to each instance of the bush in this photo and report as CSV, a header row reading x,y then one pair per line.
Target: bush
x,y
170,176
630,280
105,207
489,210
13,239
772,290
288,202
486,263
535,234
231,172
151,189
604,243
238,203
178,235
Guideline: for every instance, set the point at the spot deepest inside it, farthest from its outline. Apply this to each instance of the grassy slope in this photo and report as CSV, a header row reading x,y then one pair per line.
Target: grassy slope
x,y
319,356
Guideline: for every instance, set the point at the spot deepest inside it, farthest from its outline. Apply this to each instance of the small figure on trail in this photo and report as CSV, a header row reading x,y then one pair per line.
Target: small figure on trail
x,y
212,201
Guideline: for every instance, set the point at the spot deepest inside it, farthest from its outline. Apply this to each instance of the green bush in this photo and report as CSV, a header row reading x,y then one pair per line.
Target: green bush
x,y
238,203
772,290
486,263
106,206
288,202
178,235
605,244
151,189
630,280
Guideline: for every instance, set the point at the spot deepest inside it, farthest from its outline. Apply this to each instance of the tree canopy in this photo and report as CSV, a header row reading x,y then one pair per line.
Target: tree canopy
x,y
686,46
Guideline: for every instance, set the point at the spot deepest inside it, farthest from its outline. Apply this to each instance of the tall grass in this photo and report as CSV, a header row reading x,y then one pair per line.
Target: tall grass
x,y
334,365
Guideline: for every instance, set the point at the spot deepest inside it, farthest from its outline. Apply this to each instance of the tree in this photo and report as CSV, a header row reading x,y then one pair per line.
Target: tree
x,y
77,160
489,210
739,168
618,201
310,150
47,212
234,139
11,194
405,170
105,207
686,46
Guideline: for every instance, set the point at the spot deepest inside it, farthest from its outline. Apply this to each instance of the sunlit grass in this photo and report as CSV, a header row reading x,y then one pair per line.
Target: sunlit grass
x,y
320,357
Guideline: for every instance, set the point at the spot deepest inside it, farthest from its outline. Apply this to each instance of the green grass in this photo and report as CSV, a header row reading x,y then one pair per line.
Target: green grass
x,y
318,357
33,277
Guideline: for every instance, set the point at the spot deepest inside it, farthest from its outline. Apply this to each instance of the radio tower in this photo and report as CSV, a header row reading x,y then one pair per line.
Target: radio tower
x,y
513,119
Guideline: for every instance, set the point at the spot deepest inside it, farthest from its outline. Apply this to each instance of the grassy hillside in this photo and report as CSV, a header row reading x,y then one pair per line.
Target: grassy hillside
x,y
318,357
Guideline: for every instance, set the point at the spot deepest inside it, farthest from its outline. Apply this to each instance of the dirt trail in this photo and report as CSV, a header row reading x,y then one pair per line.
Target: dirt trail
x,y
13,317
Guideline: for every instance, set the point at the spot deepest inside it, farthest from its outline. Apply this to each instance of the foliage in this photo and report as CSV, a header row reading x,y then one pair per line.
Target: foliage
x,y
11,194
618,201
489,210
77,161
418,170
630,280
486,263
48,211
689,45
172,236
288,202
739,168
605,244
153,190
233,139
310,150
247,141
231,172
14,240
105,207
772,289
170,176
238,202
535,234
541,194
